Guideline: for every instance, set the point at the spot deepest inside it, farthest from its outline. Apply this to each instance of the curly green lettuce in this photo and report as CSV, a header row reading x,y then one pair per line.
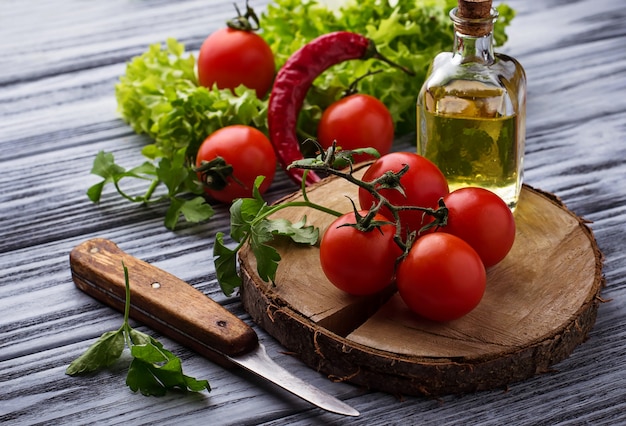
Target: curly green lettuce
x,y
159,95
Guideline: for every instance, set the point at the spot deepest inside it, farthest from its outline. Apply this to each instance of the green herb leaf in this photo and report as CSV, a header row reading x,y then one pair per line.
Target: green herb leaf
x,y
103,353
266,230
105,167
225,261
173,213
267,259
196,210
173,172
299,232
141,378
154,370
243,212
249,223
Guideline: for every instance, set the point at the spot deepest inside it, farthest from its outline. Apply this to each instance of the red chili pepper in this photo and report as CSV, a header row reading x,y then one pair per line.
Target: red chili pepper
x,y
293,82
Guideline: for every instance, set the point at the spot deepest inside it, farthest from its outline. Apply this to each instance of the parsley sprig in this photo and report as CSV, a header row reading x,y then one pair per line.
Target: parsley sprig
x,y
153,371
183,191
250,223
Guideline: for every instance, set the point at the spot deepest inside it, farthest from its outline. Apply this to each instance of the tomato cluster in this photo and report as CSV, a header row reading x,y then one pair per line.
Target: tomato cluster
x,y
441,276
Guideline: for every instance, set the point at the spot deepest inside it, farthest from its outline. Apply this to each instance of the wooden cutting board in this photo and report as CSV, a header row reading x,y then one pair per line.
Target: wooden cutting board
x,y
541,302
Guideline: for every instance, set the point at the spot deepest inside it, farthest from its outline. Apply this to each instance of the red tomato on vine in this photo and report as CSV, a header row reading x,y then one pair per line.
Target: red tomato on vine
x,y
442,278
483,220
359,262
424,184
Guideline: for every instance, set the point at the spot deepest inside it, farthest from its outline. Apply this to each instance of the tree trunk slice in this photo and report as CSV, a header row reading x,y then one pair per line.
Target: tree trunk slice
x,y
541,302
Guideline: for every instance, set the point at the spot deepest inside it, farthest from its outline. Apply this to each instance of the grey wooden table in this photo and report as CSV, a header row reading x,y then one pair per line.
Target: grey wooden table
x,y
60,61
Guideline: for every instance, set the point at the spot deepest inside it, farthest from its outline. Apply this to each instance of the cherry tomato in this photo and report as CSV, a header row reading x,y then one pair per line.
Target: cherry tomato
x,y
231,57
483,220
357,121
424,184
442,278
250,154
358,262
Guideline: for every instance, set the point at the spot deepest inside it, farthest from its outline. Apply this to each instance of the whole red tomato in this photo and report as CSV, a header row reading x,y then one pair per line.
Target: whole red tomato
x,y
424,184
231,57
250,154
357,121
358,262
483,220
442,278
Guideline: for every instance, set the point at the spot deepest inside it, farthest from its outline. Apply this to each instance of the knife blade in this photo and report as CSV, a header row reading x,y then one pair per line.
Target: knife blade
x,y
176,309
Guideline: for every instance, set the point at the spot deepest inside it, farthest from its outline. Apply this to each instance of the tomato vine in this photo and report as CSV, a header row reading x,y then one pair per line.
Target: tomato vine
x,y
250,221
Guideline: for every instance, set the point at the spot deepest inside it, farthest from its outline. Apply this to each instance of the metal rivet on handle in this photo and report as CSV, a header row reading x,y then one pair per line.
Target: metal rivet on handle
x,y
155,285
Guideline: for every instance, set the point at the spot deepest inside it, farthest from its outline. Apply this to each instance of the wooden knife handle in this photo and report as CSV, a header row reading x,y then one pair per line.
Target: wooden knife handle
x,y
160,300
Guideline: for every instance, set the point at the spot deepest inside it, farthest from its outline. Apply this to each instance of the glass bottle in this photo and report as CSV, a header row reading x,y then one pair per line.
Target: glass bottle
x,y
471,110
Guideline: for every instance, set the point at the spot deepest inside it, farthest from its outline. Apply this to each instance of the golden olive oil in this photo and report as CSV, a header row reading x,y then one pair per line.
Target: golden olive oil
x,y
472,106
475,151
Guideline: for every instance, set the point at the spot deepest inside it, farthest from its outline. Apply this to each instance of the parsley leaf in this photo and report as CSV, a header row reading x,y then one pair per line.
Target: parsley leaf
x,y
250,223
266,256
298,232
225,261
103,353
153,371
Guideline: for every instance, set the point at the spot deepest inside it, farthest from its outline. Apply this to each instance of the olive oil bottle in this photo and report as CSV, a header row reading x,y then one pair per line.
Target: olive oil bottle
x,y
471,109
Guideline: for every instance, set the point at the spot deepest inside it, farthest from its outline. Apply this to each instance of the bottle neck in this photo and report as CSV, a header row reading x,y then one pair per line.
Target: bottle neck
x,y
473,49
473,38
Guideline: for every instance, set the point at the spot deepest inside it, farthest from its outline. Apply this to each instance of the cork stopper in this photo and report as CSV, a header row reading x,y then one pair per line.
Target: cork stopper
x,y
474,9
474,17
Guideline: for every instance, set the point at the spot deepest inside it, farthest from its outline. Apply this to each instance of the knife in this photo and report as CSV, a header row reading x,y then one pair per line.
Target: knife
x,y
176,309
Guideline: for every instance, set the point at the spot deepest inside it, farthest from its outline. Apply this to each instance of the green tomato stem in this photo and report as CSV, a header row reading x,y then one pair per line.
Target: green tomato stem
x,y
125,324
315,206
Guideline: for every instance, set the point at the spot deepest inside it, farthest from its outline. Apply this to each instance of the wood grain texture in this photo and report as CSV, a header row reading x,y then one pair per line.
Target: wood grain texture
x,y
61,59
